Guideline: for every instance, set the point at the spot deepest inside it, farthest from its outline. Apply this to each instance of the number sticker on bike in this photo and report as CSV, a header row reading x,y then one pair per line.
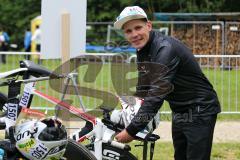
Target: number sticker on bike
x,y
40,151
12,111
26,94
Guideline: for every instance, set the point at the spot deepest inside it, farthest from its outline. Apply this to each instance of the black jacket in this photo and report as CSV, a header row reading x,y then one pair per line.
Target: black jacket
x,y
169,71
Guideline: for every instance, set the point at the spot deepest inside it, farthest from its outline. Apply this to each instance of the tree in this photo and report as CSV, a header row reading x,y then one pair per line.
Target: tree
x,y
16,16
230,6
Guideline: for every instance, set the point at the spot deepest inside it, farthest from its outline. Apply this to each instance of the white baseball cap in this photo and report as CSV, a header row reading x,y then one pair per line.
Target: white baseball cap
x,y
129,13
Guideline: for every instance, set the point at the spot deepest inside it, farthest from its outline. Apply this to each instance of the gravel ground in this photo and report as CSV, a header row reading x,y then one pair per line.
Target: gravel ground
x,y
225,131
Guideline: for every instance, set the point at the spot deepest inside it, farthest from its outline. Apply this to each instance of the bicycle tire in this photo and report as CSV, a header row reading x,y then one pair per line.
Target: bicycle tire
x,y
76,151
3,100
113,153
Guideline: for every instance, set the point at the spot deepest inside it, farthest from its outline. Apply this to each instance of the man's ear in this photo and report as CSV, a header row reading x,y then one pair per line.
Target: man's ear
x,y
149,25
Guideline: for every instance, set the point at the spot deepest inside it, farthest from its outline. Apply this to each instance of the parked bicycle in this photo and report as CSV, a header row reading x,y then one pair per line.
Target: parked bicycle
x,y
100,132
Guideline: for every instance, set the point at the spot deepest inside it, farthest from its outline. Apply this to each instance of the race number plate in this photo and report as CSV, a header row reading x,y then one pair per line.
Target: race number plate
x,y
26,94
12,111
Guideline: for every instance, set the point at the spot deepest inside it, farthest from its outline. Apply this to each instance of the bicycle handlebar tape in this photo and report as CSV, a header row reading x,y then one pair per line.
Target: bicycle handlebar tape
x,y
120,145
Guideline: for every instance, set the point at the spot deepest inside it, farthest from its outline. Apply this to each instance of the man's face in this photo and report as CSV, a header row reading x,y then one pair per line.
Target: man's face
x,y
137,32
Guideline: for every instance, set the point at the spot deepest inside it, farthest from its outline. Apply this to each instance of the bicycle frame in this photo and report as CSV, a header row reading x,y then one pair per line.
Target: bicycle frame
x,y
101,133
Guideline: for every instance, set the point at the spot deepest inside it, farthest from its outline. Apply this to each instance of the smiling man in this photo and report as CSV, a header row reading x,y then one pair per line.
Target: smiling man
x,y
138,35
168,71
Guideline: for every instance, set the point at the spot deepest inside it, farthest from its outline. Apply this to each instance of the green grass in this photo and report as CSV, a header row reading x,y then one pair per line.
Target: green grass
x,y
226,83
221,117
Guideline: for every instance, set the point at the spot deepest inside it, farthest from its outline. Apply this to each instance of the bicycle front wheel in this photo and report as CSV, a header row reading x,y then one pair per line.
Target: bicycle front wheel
x,y
112,153
3,100
76,151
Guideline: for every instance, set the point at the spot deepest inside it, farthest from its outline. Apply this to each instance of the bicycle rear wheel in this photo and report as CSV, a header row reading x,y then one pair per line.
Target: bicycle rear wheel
x,y
112,153
76,151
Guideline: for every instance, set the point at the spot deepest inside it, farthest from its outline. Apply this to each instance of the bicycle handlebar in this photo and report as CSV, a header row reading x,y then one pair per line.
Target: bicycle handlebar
x,y
120,145
13,72
5,83
142,136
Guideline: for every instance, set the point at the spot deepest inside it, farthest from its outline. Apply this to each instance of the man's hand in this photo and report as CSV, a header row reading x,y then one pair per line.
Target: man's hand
x,y
124,137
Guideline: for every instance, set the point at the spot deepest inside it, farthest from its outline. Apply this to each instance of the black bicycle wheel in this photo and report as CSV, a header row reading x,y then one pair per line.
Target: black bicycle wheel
x,y
112,153
3,100
76,151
